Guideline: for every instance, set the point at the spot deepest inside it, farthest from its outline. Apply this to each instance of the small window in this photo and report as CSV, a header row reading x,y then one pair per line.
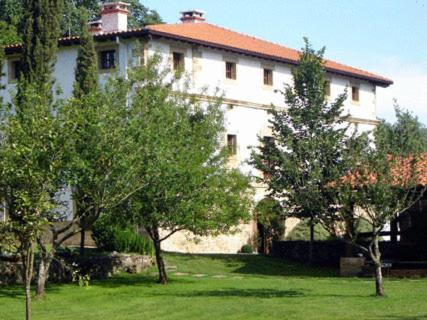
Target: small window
x,y
355,93
268,77
327,88
178,61
137,57
232,144
268,140
230,70
15,70
107,59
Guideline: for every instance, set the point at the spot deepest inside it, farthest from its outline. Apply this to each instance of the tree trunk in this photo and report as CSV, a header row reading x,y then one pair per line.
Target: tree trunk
x,y
376,258
310,249
43,274
82,240
27,254
163,279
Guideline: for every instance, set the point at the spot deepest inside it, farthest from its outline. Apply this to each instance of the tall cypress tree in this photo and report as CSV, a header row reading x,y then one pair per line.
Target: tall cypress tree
x,y
86,76
41,29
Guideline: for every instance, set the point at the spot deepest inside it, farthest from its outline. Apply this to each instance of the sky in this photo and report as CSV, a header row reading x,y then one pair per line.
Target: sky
x,y
387,37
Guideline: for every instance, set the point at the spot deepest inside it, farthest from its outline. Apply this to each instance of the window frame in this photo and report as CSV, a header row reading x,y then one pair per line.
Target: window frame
x,y
328,88
12,76
232,144
268,77
179,64
355,93
232,73
102,51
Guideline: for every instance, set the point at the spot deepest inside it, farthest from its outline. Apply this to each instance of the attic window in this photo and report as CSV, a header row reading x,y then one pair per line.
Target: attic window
x,y
230,70
355,93
107,59
178,61
268,77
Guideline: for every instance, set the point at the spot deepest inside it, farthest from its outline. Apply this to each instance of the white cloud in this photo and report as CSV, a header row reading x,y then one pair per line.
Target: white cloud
x,y
409,88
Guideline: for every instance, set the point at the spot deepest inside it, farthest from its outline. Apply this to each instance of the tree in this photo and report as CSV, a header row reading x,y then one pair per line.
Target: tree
x,y
31,160
30,166
387,181
40,44
187,183
141,16
86,74
86,82
407,134
307,142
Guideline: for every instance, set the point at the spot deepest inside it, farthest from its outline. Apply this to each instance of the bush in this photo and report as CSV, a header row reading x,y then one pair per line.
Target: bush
x,y
302,232
247,248
112,237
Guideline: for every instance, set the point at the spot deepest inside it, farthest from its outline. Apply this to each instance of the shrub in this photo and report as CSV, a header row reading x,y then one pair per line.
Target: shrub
x,y
247,248
302,232
112,237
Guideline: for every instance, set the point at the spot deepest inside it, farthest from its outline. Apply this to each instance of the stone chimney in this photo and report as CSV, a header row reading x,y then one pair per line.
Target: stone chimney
x,y
114,16
192,16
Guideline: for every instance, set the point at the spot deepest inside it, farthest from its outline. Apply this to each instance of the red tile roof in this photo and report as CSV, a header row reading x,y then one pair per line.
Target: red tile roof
x,y
404,171
215,36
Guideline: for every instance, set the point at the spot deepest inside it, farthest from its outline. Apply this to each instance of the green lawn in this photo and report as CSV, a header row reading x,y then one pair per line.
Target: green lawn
x,y
226,287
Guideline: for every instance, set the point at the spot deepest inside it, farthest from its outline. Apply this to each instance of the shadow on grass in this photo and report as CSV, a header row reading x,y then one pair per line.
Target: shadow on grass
x,y
144,280
17,292
403,317
261,265
233,292
13,292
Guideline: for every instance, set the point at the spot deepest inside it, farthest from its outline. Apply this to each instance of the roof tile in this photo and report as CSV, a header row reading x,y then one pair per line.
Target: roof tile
x,y
219,36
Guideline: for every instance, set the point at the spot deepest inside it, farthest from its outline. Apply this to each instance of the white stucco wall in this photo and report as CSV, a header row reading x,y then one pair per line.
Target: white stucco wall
x,y
246,103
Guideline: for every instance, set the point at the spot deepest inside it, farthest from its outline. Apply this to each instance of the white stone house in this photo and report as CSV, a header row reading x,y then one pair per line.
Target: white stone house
x,y
247,69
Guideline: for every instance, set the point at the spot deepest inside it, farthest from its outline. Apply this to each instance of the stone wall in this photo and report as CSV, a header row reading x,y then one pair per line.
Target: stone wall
x,y
96,266
186,242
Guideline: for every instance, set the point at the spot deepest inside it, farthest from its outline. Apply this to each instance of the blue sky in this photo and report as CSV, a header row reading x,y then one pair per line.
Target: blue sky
x,y
388,37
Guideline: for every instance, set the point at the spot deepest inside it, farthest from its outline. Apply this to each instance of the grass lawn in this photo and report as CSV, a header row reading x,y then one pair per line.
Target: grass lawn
x,y
226,287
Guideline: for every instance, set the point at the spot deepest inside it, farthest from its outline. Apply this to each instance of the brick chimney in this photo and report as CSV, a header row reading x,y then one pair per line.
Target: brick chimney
x,y
192,16
114,16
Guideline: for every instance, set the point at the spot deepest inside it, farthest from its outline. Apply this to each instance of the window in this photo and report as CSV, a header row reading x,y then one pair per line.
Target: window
x,y
230,70
107,59
355,93
327,88
268,142
178,61
15,70
268,77
137,57
232,144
